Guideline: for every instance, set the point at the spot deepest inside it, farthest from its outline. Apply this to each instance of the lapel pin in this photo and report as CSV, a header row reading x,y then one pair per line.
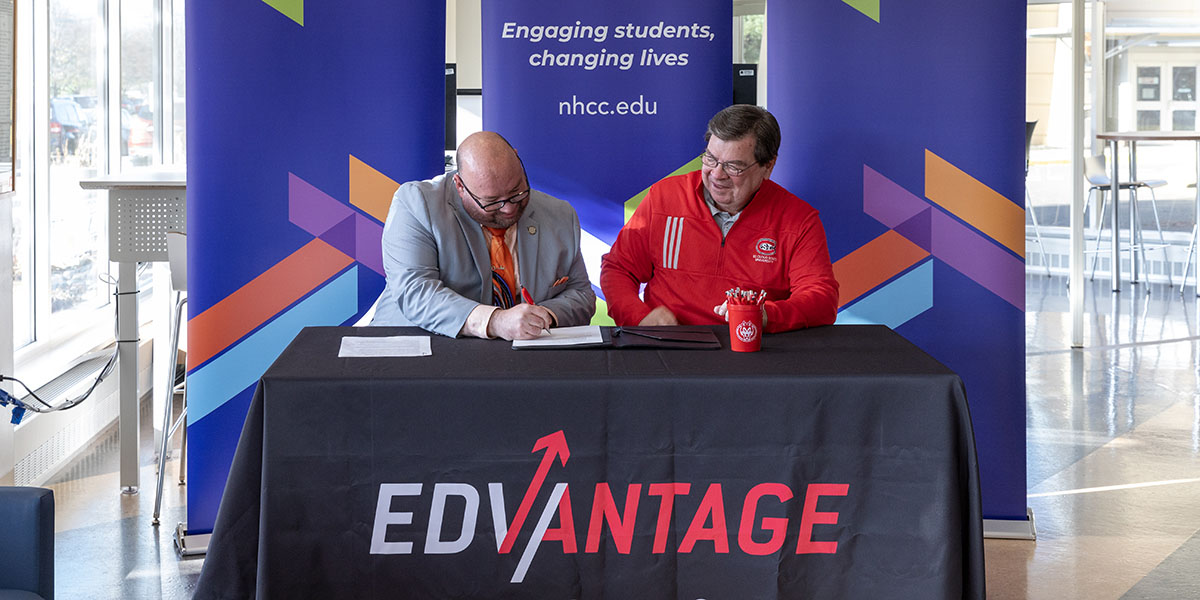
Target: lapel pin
x,y
532,230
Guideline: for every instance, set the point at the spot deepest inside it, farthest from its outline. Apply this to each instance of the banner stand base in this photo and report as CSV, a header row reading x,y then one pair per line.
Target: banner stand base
x,y
1011,529
195,544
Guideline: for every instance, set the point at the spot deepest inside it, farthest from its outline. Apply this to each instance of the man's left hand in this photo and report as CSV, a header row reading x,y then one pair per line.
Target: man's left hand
x,y
723,312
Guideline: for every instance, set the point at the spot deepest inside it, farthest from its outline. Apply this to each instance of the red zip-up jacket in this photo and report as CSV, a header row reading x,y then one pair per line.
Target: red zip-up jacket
x,y
673,245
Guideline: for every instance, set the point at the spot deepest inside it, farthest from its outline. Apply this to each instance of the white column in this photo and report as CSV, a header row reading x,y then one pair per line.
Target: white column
x,y
1077,132
1099,80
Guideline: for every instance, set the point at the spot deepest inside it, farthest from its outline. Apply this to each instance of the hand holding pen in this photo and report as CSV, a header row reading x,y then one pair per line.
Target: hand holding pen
x,y
524,321
529,300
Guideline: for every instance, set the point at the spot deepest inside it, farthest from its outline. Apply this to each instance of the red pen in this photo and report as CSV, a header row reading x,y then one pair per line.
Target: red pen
x,y
529,300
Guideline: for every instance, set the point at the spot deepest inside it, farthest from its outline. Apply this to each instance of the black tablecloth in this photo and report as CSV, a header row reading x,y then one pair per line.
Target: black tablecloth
x,y
838,462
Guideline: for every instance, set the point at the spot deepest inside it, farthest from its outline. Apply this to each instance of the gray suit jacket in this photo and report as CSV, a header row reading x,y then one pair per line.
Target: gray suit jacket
x,y
438,268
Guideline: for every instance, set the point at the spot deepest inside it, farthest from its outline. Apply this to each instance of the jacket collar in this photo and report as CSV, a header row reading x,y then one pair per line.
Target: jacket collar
x,y
527,236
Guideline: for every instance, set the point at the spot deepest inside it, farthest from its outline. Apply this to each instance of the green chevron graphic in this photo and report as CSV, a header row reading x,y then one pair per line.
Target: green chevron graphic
x,y
294,9
632,203
601,317
866,7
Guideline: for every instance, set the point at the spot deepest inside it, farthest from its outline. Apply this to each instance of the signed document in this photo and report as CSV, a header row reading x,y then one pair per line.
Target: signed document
x,y
583,335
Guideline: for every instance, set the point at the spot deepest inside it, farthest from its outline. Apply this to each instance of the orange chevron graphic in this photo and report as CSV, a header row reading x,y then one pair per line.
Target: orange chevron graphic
x,y
979,205
262,298
370,190
874,263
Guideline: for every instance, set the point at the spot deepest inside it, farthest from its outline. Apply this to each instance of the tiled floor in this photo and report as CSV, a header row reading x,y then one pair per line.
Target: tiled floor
x,y
1113,454
104,544
1113,446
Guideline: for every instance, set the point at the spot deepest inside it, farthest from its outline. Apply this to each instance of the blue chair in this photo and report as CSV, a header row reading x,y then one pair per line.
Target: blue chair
x,y
27,539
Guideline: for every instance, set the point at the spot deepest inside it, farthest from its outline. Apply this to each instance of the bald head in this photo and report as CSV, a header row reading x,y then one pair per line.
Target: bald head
x,y
489,171
486,155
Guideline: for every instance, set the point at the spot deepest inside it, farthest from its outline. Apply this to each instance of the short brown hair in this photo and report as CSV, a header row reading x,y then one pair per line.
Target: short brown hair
x,y
741,119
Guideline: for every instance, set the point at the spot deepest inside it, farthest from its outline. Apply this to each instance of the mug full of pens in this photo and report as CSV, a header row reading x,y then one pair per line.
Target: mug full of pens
x,y
743,309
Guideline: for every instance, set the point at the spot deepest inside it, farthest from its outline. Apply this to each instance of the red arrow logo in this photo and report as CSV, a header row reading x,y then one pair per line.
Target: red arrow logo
x,y
555,445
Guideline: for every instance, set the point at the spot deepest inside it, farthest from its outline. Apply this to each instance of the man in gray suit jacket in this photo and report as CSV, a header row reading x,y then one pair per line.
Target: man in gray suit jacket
x,y
436,251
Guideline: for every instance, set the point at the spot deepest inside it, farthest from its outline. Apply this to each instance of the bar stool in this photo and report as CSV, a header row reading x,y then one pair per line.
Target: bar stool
x,y
177,259
1187,266
1096,174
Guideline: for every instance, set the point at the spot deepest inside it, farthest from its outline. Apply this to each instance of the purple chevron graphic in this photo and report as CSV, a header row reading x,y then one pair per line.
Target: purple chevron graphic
x,y
979,259
886,201
313,210
337,224
946,238
368,249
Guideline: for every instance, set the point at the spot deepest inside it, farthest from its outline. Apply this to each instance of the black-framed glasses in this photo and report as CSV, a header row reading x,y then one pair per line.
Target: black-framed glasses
x,y
733,168
517,198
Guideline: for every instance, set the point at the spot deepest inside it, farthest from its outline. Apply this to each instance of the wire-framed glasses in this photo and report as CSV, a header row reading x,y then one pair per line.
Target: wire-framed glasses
x,y
733,168
496,205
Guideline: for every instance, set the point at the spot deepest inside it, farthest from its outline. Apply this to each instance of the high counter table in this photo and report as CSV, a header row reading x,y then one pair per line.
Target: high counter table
x,y
143,205
1132,138
838,462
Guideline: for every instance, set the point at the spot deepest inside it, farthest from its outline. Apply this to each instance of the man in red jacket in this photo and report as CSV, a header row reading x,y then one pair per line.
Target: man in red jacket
x,y
696,235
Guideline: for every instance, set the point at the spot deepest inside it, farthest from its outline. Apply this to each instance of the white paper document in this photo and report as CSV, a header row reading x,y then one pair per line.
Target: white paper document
x,y
395,345
564,336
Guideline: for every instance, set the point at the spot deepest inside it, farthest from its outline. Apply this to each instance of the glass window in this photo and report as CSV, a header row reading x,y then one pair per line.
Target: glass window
x,y
78,219
22,206
180,83
1148,83
1183,84
752,30
22,214
1148,120
139,89
1183,120
62,285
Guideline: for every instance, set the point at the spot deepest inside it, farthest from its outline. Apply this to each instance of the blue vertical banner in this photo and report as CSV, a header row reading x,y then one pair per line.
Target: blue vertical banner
x,y
302,119
902,123
602,99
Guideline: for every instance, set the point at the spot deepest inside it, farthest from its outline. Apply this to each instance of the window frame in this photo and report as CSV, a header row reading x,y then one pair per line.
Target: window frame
x,y
54,344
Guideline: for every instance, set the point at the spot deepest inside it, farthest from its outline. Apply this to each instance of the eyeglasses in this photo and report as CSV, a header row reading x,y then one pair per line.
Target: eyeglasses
x,y
517,198
733,168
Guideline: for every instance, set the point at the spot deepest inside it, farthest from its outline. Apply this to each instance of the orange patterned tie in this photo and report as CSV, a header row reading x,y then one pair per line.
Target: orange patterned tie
x,y
504,280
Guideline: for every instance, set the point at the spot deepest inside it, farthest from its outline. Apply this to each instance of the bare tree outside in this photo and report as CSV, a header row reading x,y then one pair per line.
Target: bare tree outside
x,y
752,27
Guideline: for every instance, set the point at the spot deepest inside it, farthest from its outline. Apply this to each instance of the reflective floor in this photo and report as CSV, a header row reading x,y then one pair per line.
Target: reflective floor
x,y
1113,446
104,544
1113,456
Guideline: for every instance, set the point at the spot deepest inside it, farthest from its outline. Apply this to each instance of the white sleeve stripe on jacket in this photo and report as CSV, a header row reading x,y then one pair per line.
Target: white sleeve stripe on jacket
x,y
672,240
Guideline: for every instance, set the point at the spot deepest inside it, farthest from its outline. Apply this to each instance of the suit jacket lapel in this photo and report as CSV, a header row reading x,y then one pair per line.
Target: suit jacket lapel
x,y
473,233
528,241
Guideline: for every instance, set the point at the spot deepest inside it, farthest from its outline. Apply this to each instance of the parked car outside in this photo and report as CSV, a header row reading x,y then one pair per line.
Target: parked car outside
x,y
67,126
139,134
125,129
90,106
